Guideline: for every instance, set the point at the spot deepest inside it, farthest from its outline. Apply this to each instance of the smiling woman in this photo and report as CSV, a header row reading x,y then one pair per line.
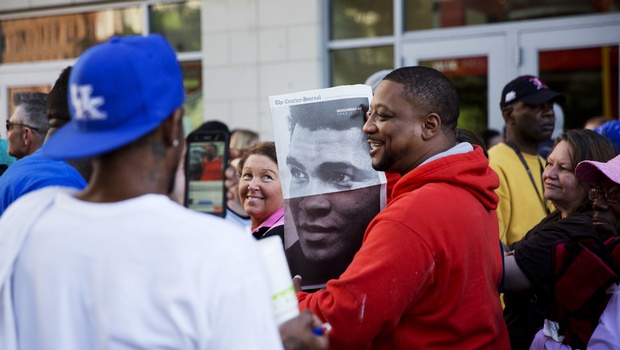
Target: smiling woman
x,y
260,190
529,283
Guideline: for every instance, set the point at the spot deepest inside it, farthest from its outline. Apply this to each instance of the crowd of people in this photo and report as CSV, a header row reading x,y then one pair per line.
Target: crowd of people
x,y
480,245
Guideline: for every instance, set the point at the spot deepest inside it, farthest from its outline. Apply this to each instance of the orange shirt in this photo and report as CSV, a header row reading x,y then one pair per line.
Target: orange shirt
x,y
212,170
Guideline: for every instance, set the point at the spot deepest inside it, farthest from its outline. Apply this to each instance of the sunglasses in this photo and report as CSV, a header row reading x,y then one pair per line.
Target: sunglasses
x,y
612,195
10,125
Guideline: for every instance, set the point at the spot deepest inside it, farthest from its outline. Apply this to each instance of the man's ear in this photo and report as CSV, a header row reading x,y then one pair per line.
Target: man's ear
x,y
173,128
507,115
27,136
431,126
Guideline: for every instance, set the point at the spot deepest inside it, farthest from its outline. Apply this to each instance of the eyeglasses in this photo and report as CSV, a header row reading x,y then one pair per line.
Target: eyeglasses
x,y
10,125
612,195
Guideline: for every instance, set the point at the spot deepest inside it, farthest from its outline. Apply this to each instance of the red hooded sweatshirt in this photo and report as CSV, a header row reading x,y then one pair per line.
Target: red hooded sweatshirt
x,y
428,271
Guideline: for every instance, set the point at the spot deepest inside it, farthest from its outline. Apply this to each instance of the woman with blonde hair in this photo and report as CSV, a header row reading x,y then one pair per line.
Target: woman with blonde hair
x,y
529,281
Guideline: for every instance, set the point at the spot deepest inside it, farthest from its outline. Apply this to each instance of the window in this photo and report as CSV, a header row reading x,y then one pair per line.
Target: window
x,y
469,76
425,14
354,66
360,19
192,81
589,79
64,36
179,23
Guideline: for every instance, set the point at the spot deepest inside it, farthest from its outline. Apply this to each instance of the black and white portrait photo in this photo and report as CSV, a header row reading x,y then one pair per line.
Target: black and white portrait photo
x,y
331,192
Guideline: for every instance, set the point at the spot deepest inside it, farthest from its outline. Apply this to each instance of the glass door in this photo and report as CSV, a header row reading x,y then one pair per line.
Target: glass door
x,y
475,67
582,63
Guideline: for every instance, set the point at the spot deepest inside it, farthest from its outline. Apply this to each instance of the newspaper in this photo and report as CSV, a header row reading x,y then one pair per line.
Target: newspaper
x,y
331,192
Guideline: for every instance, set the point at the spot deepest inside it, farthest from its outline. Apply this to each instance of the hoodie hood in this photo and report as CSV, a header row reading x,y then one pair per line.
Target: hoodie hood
x,y
469,171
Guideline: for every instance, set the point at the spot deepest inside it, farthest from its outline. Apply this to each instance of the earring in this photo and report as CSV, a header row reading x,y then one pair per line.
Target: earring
x,y
175,143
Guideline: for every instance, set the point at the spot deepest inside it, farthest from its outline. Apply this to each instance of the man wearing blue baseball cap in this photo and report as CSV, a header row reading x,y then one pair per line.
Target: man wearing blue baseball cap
x,y
120,265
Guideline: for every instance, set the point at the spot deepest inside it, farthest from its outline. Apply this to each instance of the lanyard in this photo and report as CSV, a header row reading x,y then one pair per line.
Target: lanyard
x,y
529,173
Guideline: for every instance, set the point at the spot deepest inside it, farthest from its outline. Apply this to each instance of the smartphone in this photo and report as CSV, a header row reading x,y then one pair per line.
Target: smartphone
x,y
205,162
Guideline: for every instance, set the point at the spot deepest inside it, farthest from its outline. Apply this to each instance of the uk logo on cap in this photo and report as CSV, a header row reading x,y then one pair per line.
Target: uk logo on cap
x,y
86,106
108,110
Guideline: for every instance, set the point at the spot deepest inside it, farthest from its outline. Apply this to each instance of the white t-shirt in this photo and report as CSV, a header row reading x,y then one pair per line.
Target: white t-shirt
x,y
144,273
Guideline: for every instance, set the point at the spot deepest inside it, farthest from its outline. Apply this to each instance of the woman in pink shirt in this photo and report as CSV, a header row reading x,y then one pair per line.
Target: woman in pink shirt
x,y
260,190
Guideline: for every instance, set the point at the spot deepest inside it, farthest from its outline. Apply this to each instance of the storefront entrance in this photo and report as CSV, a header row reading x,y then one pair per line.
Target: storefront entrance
x,y
576,57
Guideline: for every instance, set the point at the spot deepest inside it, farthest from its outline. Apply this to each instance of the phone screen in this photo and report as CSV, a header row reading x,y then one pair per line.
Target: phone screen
x,y
206,160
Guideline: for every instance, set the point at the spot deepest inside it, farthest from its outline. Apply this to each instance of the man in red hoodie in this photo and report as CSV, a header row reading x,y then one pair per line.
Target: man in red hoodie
x,y
430,265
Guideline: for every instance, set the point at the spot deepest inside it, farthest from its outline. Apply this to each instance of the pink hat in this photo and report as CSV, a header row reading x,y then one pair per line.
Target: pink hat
x,y
590,171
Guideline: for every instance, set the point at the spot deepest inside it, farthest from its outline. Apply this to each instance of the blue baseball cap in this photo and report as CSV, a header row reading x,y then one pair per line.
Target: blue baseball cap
x,y
119,91
611,130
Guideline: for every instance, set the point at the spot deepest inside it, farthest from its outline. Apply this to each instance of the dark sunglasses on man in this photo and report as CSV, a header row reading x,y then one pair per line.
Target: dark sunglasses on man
x,y
10,125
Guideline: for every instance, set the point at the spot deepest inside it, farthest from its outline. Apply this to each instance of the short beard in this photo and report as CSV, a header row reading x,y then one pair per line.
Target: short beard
x,y
385,163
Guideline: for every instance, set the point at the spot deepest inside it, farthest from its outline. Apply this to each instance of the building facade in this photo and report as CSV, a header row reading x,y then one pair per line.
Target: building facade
x,y
236,53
